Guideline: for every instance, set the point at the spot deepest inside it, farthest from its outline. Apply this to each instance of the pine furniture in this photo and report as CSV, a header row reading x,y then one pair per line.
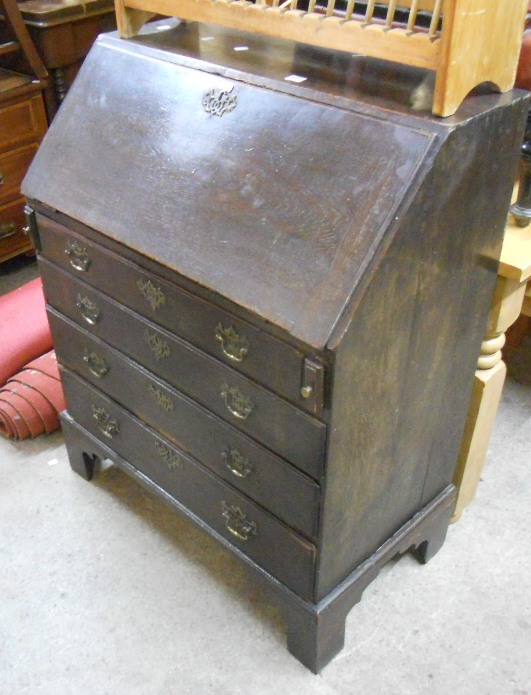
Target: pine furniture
x,y
464,42
512,298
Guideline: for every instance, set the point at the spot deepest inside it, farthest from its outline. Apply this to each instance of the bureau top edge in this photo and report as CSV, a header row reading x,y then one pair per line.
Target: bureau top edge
x,y
347,80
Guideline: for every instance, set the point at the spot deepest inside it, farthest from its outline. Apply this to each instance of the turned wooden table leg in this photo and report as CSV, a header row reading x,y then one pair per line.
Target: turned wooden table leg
x,y
60,85
486,392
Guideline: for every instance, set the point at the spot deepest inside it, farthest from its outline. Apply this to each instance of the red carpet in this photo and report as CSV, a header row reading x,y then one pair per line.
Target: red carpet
x,y
31,401
24,330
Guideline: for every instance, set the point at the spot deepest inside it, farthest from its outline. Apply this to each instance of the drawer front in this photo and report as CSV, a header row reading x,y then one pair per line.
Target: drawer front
x,y
13,166
21,123
249,350
13,240
254,470
280,426
277,548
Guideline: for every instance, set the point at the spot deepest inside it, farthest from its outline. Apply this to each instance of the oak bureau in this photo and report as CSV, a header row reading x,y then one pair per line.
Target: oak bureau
x,y
268,278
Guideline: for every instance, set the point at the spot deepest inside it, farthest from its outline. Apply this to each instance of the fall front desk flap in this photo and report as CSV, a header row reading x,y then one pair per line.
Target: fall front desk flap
x,y
229,177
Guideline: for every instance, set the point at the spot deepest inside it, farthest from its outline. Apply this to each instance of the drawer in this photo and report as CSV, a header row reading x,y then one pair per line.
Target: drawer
x,y
21,122
13,166
251,351
13,240
254,470
274,546
289,432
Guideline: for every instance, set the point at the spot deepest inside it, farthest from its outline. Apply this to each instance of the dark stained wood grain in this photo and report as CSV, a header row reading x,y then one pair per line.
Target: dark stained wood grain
x,y
267,360
330,216
288,243
292,434
276,547
315,630
270,481
406,363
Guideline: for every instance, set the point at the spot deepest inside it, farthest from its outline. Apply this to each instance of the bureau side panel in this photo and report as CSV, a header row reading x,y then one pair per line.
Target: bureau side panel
x,y
405,365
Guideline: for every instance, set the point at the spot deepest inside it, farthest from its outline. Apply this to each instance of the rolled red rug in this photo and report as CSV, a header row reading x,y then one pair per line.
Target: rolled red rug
x,y
31,400
24,330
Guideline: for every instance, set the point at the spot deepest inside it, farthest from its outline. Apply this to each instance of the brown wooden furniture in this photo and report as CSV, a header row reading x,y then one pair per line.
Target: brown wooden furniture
x,y
63,32
258,288
22,124
479,40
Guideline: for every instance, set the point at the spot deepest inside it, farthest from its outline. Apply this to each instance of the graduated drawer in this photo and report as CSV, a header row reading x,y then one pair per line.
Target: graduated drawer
x,y
13,166
274,546
288,494
251,351
283,428
21,122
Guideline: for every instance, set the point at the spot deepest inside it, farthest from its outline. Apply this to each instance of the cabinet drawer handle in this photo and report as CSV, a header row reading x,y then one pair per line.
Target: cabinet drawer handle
x,y
170,457
233,345
236,462
157,345
236,402
7,230
153,295
96,364
1,179
88,309
237,522
162,400
108,426
78,255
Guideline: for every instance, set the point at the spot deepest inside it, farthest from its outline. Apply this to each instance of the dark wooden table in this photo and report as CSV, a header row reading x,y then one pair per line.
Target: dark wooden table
x,y
63,32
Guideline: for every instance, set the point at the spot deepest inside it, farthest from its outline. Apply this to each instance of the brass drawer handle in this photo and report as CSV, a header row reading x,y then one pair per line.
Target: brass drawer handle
x,y
157,345
169,456
89,310
108,426
236,402
237,463
163,401
237,522
78,255
153,295
233,345
7,230
96,364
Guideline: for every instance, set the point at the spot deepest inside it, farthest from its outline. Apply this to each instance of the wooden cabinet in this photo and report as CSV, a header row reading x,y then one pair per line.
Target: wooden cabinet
x,y
63,32
267,299
22,127
22,124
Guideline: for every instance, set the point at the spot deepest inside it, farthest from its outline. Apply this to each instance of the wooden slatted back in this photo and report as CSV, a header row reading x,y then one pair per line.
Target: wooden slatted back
x,y
465,42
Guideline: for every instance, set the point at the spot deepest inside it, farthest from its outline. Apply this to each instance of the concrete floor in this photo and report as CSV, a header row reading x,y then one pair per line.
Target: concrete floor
x,y
104,591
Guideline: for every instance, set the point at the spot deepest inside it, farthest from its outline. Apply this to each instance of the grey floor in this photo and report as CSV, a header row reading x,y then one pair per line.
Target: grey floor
x,y
104,591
